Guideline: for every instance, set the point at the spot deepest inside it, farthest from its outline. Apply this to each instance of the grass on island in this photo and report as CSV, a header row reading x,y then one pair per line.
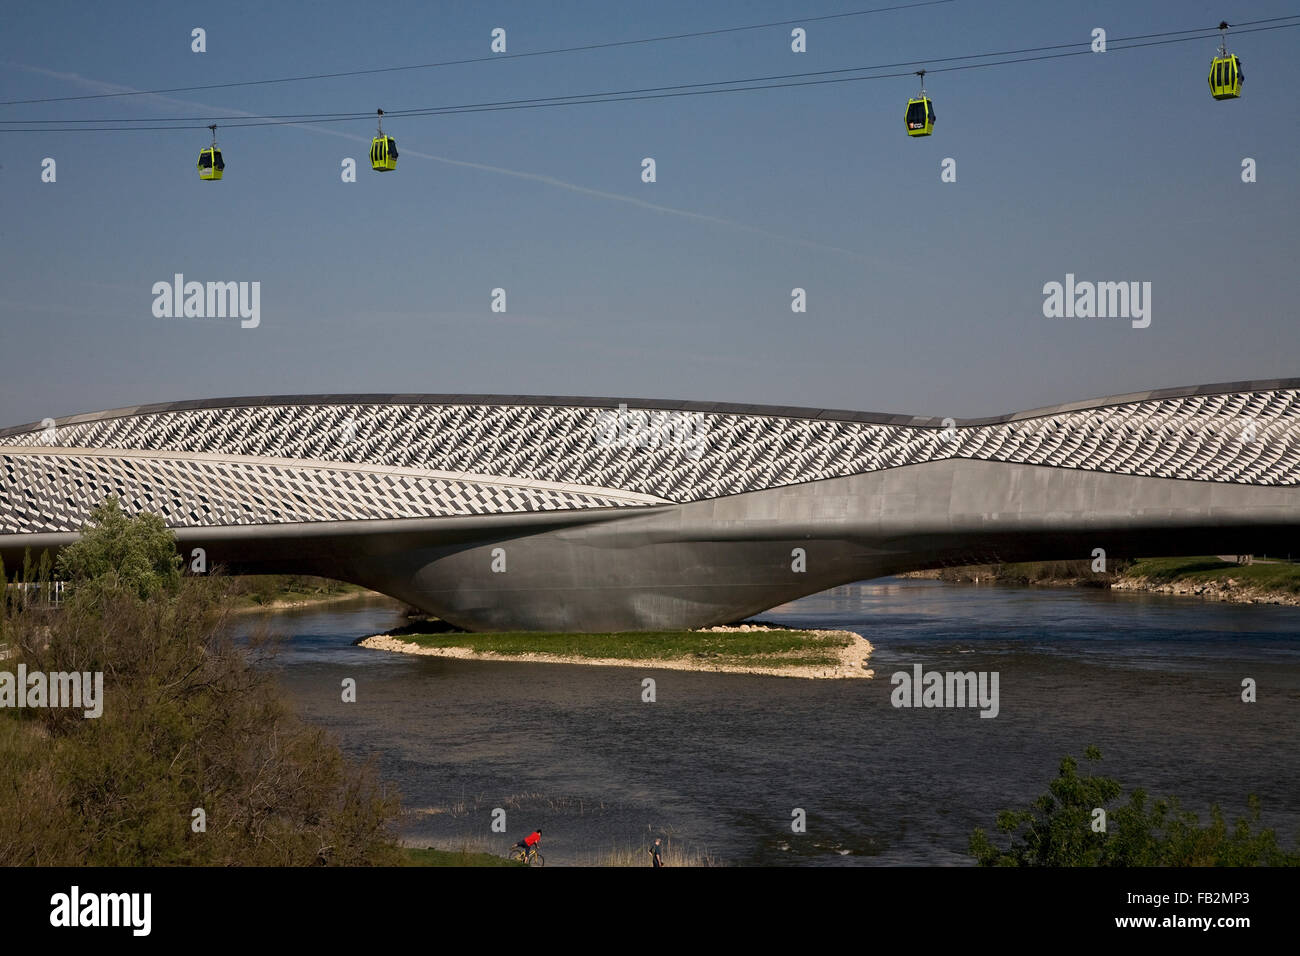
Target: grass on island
x,y
1209,569
775,648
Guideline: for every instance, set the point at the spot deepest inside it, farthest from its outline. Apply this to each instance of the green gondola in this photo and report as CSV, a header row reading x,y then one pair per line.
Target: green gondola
x,y
1226,75
211,165
383,150
920,112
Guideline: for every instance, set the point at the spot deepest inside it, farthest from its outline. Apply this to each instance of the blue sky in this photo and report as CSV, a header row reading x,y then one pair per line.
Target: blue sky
x,y
923,297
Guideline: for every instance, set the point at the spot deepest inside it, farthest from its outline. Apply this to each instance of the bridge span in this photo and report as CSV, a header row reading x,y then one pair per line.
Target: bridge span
x,y
591,514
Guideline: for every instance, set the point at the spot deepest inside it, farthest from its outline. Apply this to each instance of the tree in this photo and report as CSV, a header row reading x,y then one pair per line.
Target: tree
x,y
138,553
1058,830
196,758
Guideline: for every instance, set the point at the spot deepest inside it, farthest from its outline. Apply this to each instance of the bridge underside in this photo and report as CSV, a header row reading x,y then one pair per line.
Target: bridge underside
x,y
723,559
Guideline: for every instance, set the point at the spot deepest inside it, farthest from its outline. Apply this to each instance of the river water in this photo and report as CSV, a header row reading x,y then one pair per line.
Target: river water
x,y
719,763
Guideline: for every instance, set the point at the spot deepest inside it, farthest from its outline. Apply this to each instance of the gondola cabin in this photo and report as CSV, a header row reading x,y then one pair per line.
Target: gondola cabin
x,y
920,117
383,154
1226,77
211,165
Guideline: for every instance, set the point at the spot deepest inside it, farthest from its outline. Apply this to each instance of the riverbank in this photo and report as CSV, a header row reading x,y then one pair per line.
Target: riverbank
x,y
279,592
293,602
1214,579
671,853
732,649
1207,577
432,856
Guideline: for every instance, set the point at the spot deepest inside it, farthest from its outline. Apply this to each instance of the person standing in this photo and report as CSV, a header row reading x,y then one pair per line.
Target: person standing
x,y
656,859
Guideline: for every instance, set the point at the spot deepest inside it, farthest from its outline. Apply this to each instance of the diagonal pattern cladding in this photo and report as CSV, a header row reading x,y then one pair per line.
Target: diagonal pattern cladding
x,y
50,491
633,518
683,455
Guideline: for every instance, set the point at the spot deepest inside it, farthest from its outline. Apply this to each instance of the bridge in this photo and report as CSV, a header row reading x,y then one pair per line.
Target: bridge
x,y
587,514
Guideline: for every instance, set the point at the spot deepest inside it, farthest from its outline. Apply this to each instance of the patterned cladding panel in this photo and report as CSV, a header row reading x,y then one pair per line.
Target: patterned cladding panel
x,y
51,492
1250,437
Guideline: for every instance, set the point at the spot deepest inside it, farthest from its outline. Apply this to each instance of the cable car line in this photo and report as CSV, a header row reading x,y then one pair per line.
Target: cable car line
x,y
1058,46
612,97
485,59
655,89
337,116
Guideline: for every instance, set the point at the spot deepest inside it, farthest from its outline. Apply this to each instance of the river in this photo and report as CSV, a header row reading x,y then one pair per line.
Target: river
x,y
719,763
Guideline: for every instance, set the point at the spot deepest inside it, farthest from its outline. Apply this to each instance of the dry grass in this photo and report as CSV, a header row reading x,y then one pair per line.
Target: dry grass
x,y
674,853
469,851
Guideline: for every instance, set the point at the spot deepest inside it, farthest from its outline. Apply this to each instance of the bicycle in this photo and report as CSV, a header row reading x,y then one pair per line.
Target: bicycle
x,y
532,856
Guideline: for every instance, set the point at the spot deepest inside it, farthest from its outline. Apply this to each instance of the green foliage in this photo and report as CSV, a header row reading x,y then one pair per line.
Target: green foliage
x,y
268,589
138,553
1209,570
1077,572
34,585
463,857
1057,830
188,723
1277,576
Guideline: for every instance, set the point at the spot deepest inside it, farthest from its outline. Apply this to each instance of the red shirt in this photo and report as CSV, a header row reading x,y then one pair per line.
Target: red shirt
x,y
532,838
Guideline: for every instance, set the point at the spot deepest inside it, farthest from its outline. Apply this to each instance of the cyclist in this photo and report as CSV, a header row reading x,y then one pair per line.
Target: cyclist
x,y
529,844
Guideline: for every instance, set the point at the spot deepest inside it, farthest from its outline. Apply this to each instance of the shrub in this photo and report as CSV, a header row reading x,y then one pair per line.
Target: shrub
x,y
189,722
1057,830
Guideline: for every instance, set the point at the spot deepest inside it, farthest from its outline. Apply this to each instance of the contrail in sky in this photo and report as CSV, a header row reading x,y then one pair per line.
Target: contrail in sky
x,y
105,87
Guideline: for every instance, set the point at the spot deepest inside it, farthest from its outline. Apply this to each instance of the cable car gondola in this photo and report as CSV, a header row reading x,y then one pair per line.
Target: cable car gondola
x,y
920,112
211,165
1226,75
383,150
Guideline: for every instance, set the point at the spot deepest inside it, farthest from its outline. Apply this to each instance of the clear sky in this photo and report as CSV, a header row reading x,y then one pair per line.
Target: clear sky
x,y
923,297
